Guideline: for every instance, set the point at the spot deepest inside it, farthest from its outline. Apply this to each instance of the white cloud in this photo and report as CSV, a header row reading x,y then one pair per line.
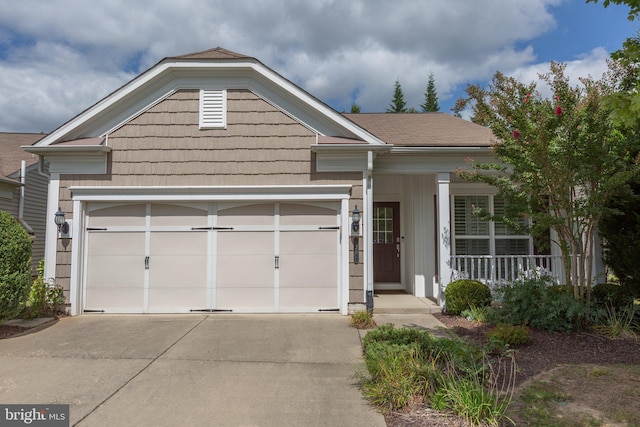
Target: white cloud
x,y
58,58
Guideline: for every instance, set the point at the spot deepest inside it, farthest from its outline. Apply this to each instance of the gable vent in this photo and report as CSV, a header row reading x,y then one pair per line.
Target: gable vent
x,y
213,109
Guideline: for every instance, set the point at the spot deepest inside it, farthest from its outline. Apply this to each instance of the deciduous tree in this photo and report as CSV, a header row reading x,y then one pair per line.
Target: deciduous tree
x,y
559,159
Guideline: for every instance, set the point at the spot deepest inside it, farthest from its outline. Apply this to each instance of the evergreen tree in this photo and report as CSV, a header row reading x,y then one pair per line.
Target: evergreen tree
x,y
398,104
431,97
355,108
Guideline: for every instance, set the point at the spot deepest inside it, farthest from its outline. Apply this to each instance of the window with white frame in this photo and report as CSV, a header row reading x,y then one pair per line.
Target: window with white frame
x,y
474,236
213,109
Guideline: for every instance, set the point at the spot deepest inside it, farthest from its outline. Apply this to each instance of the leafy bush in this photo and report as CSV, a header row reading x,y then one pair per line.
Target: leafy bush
x,y
535,302
620,231
611,294
362,320
464,294
402,336
44,297
15,267
503,336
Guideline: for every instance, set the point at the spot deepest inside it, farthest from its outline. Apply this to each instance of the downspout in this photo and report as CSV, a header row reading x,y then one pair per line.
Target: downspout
x,y
369,230
23,181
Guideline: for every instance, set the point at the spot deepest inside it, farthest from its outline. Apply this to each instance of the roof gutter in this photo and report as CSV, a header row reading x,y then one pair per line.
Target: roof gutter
x,y
23,180
439,150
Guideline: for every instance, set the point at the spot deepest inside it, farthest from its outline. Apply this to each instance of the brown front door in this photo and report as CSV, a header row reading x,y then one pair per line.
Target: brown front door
x,y
386,242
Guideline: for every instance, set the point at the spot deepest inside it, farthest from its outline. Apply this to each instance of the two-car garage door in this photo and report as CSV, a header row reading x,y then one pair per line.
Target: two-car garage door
x,y
252,257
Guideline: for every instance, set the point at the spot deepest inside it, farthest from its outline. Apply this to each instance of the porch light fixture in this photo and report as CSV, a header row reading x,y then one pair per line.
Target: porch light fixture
x,y
61,222
355,229
355,220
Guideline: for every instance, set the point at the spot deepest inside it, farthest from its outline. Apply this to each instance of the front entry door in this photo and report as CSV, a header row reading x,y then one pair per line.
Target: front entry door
x,y
386,242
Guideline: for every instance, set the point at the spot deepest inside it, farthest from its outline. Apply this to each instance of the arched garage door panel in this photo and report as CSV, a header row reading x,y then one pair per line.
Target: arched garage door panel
x,y
115,260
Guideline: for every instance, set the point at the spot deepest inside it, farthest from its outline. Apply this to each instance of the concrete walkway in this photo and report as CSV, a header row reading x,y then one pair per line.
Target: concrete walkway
x,y
196,370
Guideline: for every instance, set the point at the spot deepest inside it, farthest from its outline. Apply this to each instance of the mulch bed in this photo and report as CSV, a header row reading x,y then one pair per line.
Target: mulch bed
x,y
7,331
545,351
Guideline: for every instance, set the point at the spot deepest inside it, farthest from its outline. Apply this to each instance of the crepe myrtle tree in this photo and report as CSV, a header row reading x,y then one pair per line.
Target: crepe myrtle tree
x,y
558,159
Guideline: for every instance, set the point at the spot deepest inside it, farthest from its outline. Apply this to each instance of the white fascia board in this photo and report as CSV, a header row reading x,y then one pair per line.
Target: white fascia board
x,y
211,193
442,150
429,160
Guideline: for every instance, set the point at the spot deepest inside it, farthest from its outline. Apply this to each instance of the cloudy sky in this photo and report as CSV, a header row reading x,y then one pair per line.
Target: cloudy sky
x,y
58,57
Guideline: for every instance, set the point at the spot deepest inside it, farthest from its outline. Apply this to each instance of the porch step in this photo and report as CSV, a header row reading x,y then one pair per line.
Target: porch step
x,y
403,304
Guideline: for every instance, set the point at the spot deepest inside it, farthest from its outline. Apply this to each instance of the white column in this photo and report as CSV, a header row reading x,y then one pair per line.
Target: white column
x,y
51,234
76,257
444,233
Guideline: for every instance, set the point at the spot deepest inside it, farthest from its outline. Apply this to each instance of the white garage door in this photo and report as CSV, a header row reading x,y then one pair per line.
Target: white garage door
x,y
262,257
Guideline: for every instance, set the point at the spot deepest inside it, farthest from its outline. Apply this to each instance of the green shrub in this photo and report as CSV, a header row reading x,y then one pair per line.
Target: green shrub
x,y
398,375
362,320
389,334
611,294
44,297
503,336
535,302
464,294
15,267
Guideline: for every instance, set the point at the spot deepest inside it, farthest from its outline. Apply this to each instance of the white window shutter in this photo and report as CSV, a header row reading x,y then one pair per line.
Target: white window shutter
x,y
213,108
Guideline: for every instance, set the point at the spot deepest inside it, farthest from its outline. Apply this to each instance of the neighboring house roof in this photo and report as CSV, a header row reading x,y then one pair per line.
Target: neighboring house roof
x,y
12,155
424,129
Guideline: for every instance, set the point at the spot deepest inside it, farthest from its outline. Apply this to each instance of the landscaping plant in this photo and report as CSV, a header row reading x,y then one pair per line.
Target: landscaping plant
x,y
537,303
463,294
362,319
15,267
409,365
44,297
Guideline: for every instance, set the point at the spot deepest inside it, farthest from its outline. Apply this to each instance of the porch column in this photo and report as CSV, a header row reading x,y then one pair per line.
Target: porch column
x,y
51,231
444,234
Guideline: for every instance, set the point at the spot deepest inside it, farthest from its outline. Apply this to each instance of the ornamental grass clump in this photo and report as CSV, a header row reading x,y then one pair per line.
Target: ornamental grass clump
x,y
408,365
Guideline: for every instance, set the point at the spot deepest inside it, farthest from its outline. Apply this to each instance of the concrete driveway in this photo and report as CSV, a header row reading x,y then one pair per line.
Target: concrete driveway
x,y
195,370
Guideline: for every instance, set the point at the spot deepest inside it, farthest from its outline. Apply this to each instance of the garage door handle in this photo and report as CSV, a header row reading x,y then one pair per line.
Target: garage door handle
x,y
277,262
329,228
146,263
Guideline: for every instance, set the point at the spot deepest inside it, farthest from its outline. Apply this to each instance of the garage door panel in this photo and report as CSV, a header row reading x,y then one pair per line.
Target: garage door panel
x,y
177,299
247,271
297,214
308,242
301,272
116,216
240,298
115,299
115,272
301,299
255,214
116,244
177,215
178,271
187,243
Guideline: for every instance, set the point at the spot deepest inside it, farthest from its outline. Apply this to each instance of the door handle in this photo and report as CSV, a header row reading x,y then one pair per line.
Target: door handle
x,y
398,250
277,262
146,263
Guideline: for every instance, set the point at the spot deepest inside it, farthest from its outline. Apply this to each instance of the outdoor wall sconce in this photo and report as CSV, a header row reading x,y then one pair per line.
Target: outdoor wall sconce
x,y
355,230
61,222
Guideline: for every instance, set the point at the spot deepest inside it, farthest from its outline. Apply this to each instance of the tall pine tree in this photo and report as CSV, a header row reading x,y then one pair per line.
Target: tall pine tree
x,y
398,104
430,97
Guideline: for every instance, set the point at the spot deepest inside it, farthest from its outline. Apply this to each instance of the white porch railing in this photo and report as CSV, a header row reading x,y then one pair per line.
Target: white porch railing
x,y
499,270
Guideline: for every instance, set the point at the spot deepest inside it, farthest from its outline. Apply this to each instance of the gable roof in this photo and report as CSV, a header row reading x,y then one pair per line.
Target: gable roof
x,y
215,53
197,70
12,154
424,129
